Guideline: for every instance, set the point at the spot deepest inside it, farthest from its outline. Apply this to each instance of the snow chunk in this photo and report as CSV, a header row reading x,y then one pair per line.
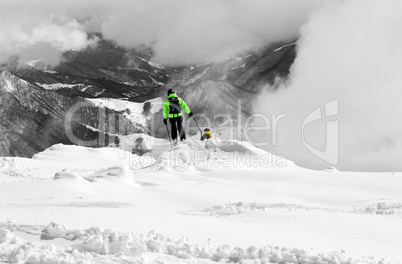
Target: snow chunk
x,y
53,230
20,254
6,235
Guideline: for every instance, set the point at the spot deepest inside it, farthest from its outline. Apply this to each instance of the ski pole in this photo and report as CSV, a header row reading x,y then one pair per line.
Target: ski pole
x,y
198,125
169,136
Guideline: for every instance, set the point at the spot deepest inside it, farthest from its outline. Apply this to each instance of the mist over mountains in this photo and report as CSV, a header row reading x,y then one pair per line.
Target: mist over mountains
x,y
136,50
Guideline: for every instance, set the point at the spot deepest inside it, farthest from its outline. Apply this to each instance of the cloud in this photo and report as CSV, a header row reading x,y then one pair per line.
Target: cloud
x,y
31,31
179,31
350,50
191,31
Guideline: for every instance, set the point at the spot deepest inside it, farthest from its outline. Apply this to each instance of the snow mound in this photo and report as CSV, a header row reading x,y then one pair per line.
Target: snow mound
x,y
96,245
77,157
177,159
115,174
241,147
230,154
73,161
122,175
194,154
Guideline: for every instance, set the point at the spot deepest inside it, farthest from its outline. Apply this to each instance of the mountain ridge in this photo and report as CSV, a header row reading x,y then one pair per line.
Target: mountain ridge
x,y
110,71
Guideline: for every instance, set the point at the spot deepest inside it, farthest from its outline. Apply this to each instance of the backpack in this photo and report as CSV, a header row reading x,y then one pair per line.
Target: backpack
x,y
174,105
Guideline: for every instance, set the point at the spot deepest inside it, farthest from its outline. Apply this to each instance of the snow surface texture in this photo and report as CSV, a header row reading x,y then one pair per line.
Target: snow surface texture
x,y
72,204
95,245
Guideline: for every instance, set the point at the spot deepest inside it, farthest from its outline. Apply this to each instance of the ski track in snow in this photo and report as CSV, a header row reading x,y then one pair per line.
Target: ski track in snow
x,y
241,208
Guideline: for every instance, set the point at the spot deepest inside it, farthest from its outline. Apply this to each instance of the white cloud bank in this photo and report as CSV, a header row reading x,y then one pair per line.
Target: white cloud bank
x,y
31,32
179,31
350,50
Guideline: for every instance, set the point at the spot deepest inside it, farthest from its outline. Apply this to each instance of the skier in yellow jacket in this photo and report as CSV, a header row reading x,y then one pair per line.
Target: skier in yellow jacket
x,y
172,108
207,134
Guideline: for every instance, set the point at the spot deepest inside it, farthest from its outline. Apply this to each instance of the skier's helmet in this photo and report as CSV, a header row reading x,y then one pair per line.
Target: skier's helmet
x,y
170,91
207,129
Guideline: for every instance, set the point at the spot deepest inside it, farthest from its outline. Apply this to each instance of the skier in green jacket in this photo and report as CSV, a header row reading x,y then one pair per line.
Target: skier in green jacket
x,y
174,105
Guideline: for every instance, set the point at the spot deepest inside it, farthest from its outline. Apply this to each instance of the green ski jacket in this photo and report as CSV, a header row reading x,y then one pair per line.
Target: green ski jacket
x,y
166,107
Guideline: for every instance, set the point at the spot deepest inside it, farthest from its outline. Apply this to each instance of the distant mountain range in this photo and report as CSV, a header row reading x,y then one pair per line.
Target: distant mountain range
x,y
35,98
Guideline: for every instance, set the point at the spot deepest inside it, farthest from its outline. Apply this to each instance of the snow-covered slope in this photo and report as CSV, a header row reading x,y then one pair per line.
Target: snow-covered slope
x,y
33,119
82,205
138,113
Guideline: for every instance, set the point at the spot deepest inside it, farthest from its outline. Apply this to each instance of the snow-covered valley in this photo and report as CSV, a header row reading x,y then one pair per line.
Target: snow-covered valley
x,y
73,204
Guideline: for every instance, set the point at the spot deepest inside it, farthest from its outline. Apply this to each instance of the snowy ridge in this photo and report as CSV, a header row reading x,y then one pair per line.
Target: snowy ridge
x,y
155,65
7,81
133,111
196,77
56,86
58,158
95,245
285,46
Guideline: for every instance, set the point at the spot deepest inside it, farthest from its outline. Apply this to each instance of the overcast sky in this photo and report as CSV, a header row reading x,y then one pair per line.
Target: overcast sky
x,y
179,31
